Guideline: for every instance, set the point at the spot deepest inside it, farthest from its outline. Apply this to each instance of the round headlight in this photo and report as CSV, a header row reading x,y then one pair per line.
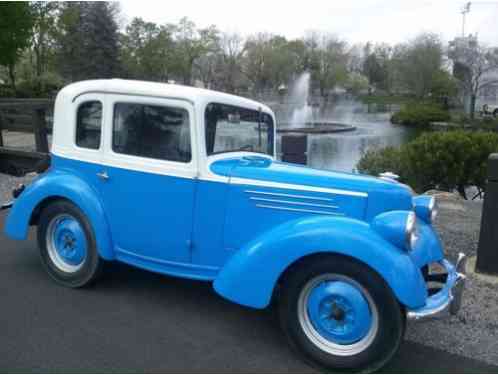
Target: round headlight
x,y
426,208
398,227
410,231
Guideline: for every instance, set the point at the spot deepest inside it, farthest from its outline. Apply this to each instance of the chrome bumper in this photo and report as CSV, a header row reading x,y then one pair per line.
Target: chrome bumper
x,y
449,298
6,206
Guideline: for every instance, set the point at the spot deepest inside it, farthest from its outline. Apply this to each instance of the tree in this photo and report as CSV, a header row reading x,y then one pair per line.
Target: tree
x,y
100,49
16,23
257,58
328,59
88,40
70,40
356,83
475,67
378,66
230,65
147,51
419,62
191,44
44,14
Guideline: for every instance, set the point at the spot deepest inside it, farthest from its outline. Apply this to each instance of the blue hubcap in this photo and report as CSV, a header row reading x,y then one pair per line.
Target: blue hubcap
x,y
67,239
339,312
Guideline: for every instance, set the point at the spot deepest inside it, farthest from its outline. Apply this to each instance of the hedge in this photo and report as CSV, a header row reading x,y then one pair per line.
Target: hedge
x,y
420,115
440,160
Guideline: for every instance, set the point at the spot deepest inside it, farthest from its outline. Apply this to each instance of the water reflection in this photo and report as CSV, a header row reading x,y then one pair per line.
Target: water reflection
x,y
342,151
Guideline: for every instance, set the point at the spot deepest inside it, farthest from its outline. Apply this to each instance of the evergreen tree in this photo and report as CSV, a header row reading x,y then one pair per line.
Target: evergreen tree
x,y
88,41
101,41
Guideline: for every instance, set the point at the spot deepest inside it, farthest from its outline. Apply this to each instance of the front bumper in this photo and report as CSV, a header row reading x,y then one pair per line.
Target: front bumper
x,y
449,298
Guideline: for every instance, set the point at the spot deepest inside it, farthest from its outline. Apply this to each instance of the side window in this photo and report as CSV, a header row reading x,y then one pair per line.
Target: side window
x,y
151,131
89,125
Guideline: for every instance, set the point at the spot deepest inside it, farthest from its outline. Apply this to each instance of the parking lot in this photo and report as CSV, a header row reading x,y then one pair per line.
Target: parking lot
x,y
135,321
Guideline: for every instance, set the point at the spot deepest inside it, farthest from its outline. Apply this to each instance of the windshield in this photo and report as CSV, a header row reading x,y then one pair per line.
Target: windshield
x,y
230,129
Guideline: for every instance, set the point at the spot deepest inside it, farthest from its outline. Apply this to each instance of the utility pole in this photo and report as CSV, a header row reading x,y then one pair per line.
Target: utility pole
x,y
465,11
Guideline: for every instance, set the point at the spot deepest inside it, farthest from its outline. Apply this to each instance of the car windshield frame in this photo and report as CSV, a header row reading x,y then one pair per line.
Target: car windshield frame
x,y
263,118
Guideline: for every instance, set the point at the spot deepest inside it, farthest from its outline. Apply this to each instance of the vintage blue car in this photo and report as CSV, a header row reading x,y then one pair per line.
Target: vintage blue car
x,y
184,182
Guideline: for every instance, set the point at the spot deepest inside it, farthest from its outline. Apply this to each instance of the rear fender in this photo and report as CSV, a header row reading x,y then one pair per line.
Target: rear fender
x,y
59,184
250,275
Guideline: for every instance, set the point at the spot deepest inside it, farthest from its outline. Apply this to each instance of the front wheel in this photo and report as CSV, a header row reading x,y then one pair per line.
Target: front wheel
x,y
341,315
67,245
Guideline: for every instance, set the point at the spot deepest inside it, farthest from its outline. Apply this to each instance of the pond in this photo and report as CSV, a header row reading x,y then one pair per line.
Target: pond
x,y
342,151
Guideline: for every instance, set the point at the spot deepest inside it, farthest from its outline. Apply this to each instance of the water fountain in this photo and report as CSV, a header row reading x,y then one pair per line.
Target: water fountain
x,y
305,118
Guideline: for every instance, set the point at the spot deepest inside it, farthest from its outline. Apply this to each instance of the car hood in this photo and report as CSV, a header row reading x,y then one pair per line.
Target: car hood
x,y
383,195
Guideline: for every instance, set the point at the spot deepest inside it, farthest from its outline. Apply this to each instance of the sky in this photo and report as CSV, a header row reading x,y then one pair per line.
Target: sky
x,y
356,21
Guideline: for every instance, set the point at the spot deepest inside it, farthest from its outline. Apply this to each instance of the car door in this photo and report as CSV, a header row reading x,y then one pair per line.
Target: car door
x,y
148,179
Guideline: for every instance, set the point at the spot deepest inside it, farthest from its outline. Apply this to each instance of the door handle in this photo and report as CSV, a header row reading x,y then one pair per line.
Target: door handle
x,y
103,175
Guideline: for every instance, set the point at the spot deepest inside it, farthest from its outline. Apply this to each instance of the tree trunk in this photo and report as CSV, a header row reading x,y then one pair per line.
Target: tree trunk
x,y
461,190
12,77
473,99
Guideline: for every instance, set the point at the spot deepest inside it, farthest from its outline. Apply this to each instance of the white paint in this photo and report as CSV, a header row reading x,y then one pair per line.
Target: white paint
x,y
108,92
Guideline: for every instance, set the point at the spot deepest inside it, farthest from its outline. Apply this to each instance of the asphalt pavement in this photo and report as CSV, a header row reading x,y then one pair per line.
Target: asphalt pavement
x,y
136,321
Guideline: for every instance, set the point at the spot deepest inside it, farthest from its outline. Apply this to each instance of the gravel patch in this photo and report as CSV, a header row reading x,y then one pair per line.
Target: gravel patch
x,y
7,183
474,331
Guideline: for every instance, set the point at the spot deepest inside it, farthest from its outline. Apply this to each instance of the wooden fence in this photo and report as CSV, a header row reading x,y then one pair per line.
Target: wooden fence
x,y
33,116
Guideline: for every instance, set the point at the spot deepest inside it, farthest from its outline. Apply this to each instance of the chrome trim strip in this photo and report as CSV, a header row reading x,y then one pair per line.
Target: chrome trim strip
x,y
300,210
288,195
296,203
280,185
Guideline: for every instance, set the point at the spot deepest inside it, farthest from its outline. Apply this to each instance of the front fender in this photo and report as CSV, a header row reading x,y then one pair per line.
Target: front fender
x,y
59,184
249,277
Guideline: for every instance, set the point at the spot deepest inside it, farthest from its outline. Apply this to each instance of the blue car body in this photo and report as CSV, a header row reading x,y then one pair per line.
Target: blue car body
x,y
240,223
244,234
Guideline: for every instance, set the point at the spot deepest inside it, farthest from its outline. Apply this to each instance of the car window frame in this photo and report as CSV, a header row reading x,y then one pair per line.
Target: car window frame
x,y
271,134
147,165
75,133
113,112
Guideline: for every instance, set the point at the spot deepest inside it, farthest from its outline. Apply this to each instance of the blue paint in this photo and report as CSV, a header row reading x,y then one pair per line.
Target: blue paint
x,y
209,225
392,226
250,275
149,214
428,248
69,241
62,182
339,312
220,232
421,206
257,220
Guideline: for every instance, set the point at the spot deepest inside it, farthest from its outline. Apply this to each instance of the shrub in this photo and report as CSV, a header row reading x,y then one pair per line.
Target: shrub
x,y
378,161
441,160
420,115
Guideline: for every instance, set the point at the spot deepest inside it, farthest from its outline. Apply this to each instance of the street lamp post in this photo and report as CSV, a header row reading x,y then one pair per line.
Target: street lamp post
x,y
465,11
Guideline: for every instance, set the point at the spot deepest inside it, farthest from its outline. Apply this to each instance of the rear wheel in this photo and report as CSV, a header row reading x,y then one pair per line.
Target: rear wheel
x,y
67,245
341,315
495,113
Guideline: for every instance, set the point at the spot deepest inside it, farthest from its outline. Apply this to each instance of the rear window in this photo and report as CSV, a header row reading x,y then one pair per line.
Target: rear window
x,y
89,125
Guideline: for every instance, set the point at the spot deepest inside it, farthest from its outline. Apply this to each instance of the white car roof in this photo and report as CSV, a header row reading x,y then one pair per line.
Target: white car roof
x,y
197,96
